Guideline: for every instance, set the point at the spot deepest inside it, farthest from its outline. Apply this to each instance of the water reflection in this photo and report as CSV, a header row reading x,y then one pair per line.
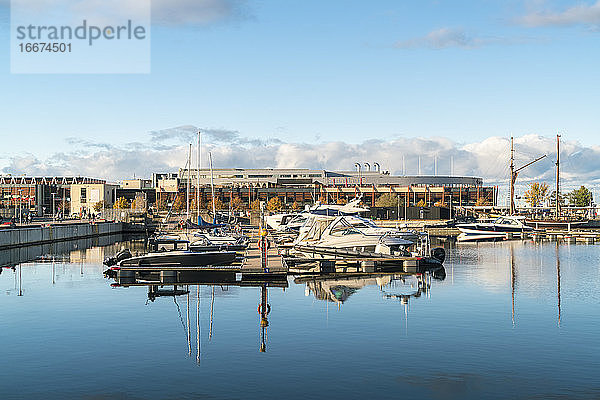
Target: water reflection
x,y
90,250
174,283
337,288
216,328
513,264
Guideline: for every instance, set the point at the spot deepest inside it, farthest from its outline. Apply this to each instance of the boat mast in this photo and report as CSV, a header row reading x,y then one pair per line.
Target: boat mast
x,y
198,175
212,188
557,176
188,183
514,173
512,177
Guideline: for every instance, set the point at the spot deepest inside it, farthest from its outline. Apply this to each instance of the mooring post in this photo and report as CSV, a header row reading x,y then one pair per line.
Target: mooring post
x,y
262,241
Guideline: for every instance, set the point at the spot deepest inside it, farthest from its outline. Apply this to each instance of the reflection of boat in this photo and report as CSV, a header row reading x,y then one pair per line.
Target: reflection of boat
x,y
498,229
338,288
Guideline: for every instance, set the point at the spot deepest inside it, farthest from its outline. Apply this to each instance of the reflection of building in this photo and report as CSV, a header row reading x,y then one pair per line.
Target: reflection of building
x,y
85,196
36,193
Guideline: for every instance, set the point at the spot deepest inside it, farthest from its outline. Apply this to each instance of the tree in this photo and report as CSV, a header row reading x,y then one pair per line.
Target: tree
x,y
274,204
219,205
99,206
537,194
341,201
161,203
581,197
421,203
387,200
179,203
482,201
255,205
121,203
236,203
295,206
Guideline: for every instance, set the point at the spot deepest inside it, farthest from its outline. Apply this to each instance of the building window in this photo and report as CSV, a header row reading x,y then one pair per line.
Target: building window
x,y
83,197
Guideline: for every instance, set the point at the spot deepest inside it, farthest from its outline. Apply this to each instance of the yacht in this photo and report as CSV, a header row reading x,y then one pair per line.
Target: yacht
x,y
292,222
354,234
497,229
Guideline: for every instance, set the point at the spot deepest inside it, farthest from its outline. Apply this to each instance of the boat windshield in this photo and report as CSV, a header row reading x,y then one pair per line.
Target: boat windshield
x,y
506,221
360,223
342,227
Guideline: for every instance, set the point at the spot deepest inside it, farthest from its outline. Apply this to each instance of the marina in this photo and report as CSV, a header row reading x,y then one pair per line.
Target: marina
x,y
537,298
247,200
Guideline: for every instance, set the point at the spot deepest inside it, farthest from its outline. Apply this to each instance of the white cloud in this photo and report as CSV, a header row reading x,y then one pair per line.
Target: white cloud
x,y
444,38
487,158
164,12
576,15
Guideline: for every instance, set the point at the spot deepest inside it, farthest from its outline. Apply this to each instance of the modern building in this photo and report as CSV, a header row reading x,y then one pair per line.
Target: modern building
x,y
307,185
85,196
136,184
38,195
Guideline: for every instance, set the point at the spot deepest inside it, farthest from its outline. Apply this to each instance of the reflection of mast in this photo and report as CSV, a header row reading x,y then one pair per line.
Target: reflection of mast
x,y
198,322
212,303
189,332
512,282
20,282
558,282
263,309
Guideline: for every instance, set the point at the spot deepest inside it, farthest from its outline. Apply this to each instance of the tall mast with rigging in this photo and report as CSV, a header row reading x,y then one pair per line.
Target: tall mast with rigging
x,y
557,176
198,175
515,172
189,168
513,177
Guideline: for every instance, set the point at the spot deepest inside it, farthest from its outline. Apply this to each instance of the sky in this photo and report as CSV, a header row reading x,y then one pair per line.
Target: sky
x,y
324,84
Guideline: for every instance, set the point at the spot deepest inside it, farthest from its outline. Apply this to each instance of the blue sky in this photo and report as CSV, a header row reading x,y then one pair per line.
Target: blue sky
x,y
326,71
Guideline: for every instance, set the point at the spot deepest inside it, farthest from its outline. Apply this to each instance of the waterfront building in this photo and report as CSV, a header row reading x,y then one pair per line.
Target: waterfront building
x,y
85,196
309,185
37,195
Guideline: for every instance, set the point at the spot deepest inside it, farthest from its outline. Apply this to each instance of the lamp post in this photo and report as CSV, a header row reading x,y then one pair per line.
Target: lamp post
x,y
20,214
53,206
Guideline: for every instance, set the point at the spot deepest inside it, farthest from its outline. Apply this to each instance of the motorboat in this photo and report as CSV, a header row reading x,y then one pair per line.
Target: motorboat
x,y
218,238
497,229
180,258
291,222
204,243
171,252
354,233
278,221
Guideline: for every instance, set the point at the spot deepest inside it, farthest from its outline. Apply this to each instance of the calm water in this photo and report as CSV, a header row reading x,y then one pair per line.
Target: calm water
x,y
510,320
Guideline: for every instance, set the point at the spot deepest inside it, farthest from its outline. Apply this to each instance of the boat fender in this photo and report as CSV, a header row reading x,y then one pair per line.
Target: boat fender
x,y
439,254
259,309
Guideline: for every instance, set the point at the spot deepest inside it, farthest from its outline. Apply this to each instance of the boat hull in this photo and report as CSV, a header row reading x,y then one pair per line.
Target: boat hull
x,y
180,259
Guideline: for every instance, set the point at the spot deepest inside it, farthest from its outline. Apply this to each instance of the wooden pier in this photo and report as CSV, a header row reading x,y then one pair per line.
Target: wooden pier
x,y
252,262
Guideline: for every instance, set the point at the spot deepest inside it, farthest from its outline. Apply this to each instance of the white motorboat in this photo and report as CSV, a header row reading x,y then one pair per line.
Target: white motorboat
x,y
355,234
497,229
292,222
